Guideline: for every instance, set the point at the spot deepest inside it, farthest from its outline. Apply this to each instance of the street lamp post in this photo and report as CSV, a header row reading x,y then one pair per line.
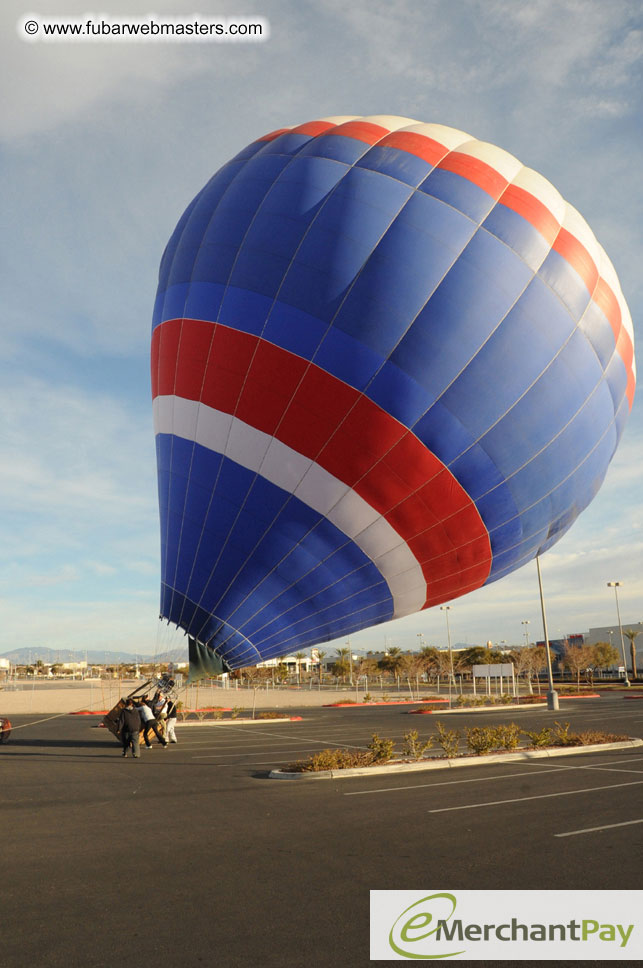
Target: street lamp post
x,y
616,585
350,659
526,632
552,695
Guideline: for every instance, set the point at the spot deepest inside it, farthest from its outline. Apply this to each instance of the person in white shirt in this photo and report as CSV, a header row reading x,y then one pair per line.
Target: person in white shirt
x,y
150,723
170,722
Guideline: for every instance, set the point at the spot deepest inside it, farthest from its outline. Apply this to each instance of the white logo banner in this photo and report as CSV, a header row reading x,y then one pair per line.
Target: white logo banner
x,y
507,925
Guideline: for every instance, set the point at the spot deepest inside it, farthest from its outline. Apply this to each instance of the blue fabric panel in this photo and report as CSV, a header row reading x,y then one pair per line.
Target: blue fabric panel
x,y
458,192
414,255
193,233
330,256
468,305
294,330
252,184
311,291
335,146
622,414
548,407
442,432
399,394
170,248
347,359
399,164
214,261
250,150
558,274
616,378
566,455
501,372
190,228
598,331
258,270
174,302
519,234
303,187
477,471
276,234
286,144
514,557
204,300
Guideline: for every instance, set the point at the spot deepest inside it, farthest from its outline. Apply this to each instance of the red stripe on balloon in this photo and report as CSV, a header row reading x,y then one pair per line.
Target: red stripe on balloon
x,y
415,144
475,170
340,429
524,203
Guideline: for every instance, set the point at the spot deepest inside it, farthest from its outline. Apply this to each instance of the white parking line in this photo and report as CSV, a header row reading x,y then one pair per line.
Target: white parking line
x,y
591,830
278,753
475,779
534,767
540,796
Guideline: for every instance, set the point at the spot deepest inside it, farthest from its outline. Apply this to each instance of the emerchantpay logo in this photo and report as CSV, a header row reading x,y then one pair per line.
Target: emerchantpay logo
x,y
507,925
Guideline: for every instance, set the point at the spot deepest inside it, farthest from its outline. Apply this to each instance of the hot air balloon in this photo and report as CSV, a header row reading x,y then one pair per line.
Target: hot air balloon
x,y
390,364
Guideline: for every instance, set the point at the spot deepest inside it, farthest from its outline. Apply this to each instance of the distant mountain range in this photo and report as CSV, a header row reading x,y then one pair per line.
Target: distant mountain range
x,y
49,656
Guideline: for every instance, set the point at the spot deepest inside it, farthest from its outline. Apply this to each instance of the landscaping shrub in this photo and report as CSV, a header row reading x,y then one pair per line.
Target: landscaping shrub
x,y
271,714
414,747
539,738
330,760
481,739
367,698
381,749
590,736
507,736
561,735
449,739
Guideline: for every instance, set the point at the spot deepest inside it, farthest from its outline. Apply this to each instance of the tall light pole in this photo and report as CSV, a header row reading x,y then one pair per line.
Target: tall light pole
x,y
552,695
447,609
526,632
616,585
350,659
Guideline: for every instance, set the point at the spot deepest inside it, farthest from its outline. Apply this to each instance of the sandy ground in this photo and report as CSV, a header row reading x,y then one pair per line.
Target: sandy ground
x,y
97,695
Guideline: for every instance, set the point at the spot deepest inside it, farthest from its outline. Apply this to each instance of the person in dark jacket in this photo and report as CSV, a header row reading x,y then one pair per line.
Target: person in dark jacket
x,y
129,727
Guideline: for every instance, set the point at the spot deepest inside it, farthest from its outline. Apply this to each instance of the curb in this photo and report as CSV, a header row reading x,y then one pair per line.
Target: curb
x,y
514,707
241,722
392,702
477,709
445,764
89,712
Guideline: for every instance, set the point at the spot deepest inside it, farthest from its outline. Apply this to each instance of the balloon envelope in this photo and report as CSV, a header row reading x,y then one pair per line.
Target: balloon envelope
x,y
390,364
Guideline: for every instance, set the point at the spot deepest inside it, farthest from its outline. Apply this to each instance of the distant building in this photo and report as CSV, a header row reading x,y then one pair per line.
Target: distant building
x,y
611,634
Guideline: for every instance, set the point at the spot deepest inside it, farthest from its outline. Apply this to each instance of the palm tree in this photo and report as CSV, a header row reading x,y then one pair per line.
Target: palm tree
x,y
394,659
631,635
299,656
320,660
342,662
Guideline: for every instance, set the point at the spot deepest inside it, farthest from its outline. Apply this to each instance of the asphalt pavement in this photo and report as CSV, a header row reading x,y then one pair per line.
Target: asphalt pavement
x,y
192,855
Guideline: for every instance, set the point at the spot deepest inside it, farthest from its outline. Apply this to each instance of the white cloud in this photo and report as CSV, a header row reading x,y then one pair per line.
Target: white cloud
x,y
47,85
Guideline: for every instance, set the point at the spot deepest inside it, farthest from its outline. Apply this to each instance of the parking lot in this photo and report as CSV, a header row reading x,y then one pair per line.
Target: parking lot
x,y
193,854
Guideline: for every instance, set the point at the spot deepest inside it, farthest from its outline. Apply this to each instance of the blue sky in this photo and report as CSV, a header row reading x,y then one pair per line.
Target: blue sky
x,y
102,147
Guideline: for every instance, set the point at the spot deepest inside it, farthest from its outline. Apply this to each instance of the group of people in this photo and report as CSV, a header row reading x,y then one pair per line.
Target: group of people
x,y
144,716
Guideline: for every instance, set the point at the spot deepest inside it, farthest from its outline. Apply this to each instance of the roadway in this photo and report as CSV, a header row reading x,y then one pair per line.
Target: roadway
x,y
191,854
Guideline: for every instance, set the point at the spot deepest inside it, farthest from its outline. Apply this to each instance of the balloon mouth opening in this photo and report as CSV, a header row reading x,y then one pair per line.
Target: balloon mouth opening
x,y
215,643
